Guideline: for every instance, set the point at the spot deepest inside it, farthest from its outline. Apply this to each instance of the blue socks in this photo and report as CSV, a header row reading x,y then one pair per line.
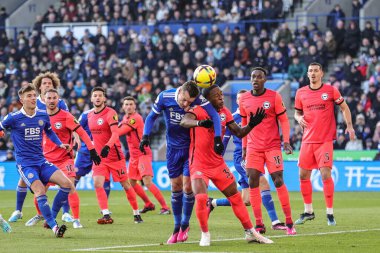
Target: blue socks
x,y
60,199
269,205
107,187
176,200
188,204
44,207
222,202
20,197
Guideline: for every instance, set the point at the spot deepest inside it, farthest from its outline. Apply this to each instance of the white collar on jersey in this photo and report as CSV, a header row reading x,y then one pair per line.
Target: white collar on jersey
x,y
27,115
176,94
39,98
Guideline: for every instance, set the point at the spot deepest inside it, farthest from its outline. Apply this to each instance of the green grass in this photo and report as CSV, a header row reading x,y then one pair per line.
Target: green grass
x,y
353,211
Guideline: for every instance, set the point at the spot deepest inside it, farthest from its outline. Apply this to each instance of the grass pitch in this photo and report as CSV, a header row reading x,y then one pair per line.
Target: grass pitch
x,y
357,230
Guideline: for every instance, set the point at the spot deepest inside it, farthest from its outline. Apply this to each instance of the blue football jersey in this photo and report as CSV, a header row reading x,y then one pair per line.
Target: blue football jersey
x,y
83,121
61,104
26,135
236,140
166,102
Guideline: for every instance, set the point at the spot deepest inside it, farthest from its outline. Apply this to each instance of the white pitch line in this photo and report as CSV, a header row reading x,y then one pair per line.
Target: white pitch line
x,y
221,240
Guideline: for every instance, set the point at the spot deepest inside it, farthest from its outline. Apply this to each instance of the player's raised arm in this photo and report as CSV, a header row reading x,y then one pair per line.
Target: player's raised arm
x,y
254,120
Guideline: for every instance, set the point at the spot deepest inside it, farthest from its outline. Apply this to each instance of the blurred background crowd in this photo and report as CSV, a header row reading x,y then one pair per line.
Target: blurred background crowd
x,y
143,64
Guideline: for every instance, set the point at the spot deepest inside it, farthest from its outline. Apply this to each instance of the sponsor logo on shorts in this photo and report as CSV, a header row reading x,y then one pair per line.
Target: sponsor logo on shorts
x,y
198,173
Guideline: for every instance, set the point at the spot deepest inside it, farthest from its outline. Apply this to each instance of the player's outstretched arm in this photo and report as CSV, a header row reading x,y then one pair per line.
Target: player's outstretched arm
x,y
189,121
347,118
254,120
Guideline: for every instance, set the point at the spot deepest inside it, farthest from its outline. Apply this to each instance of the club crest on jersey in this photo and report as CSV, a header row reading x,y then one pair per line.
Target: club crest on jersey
x,y
325,96
198,173
100,122
266,105
41,122
30,175
222,117
58,125
171,109
132,121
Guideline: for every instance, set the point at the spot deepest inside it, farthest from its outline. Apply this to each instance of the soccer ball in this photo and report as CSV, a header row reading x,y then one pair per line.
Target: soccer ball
x,y
204,76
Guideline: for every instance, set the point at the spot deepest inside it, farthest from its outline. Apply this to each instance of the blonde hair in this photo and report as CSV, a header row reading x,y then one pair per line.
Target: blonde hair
x,y
51,75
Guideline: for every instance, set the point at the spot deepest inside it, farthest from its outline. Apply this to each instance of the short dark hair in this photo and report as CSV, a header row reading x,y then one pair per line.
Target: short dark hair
x,y
316,64
27,88
206,92
242,91
130,98
98,88
191,87
261,69
51,90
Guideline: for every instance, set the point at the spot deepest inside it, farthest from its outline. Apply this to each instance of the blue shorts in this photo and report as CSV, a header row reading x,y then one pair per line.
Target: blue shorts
x,y
83,163
177,162
32,173
243,180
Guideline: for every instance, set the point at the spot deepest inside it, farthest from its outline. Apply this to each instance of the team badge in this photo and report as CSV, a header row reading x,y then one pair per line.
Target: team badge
x,y
198,173
222,117
132,121
115,117
58,125
41,122
100,121
171,109
325,96
30,175
266,105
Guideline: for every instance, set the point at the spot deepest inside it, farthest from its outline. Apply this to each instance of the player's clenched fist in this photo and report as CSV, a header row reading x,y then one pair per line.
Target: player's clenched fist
x,y
206,123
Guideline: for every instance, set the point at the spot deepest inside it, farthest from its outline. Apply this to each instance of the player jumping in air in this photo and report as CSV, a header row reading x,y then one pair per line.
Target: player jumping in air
x,y
206,165
174,104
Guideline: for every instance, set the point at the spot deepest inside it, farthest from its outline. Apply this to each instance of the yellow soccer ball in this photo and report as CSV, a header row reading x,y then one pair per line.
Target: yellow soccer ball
x,y
204,76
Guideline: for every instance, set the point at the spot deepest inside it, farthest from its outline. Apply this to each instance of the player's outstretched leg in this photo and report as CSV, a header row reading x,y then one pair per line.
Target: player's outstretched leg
x,y
4,225
21,192
37,218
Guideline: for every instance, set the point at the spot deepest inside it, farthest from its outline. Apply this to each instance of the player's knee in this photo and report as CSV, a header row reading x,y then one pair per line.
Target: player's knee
x,y
187,188
278,182
147,181
253,181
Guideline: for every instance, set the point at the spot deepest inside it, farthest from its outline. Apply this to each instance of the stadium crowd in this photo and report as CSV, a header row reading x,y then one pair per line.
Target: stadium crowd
x,y
143,64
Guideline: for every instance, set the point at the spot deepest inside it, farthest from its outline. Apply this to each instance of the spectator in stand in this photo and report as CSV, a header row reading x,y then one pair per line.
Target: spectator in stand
x,y
356,6
352,39
297,70
339,33
340,143
334,16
